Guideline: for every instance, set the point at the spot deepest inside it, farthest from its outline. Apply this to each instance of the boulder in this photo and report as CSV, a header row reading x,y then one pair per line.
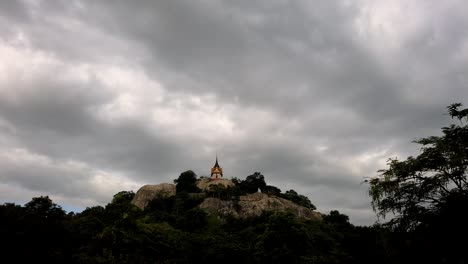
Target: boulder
x,y
148,192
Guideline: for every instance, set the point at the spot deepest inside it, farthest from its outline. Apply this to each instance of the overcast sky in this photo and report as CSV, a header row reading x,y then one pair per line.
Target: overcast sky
x,y
97,97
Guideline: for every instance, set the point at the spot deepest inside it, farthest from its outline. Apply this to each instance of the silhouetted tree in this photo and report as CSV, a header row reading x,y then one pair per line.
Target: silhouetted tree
x,y
253,183
416,188
44,207
336,217
428,197
269,189
187,182
298,199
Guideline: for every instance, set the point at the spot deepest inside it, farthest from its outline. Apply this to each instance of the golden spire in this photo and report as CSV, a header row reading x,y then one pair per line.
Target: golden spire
x,y
216,171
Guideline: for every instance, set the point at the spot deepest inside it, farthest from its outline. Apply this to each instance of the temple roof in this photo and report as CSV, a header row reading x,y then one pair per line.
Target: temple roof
x,y
216,164
216,170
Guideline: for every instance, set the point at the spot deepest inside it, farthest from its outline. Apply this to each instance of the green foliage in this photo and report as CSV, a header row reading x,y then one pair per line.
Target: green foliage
x,y
39,228
298,199
44,207
169,230
336,218
252,184
284,240
221,192
187,182
272,190
123,197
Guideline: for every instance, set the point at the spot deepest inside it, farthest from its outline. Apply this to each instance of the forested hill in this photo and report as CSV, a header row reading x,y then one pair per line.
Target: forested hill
x,y
230,198
174,229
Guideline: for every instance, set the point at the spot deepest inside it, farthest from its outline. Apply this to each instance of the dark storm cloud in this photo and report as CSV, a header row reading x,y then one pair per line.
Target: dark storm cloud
x,y
14,10
286,57
315,95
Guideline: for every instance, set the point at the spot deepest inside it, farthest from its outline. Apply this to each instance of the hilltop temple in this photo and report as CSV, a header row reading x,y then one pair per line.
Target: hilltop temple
x,y
216,171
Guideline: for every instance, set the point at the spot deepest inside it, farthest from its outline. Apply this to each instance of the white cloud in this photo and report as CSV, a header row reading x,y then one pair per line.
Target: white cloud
x,y
68,180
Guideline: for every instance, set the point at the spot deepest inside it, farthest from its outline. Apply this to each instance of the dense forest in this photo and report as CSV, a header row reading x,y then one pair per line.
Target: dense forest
x,y
425,199
174,230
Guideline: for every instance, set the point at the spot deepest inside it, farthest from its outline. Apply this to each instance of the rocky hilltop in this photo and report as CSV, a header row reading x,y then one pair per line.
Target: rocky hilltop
x,y
205,183
255,204
245,206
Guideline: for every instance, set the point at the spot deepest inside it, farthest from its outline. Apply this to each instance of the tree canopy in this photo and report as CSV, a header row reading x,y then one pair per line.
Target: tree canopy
x,y
417,188
187,182
172,230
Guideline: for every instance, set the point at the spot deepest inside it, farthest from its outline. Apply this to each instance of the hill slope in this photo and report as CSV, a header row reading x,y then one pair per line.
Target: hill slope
x,y
249,205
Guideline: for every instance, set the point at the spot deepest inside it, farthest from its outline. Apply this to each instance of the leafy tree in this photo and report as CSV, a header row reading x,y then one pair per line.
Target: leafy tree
x,y
298,199
121,211
187,182
253,183
335,217
88,223
123,197
270,189
416,189
220,191
43,233
284,240
10,211
44,207
191,220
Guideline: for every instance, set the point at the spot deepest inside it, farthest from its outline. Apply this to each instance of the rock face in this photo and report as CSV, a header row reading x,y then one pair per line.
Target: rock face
x,y
148,192
255,204
246,206
205,183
